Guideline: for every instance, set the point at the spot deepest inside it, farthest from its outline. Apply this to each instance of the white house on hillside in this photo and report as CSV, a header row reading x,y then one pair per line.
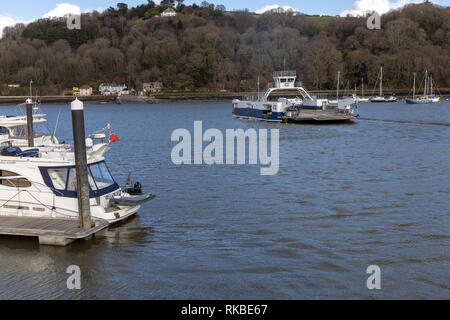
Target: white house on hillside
x,y
85,91
152,87
169,12
107,89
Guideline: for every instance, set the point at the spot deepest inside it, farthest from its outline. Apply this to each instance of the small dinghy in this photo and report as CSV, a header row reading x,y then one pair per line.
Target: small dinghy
x,y
130,200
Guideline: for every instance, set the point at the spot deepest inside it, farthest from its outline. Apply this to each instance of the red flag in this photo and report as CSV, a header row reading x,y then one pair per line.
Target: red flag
x,y
113,138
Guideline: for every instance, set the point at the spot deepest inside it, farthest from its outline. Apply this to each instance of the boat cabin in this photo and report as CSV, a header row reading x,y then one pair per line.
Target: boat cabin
x,y
15,128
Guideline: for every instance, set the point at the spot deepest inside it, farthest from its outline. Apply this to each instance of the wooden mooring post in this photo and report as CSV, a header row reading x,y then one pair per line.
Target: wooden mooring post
x,y
30,130
79,138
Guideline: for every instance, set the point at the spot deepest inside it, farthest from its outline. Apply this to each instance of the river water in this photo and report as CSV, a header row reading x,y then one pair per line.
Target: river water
x,y
376,192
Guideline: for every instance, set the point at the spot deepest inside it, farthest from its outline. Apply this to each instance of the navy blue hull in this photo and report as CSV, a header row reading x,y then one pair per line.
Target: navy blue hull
x,y
258,114
410,101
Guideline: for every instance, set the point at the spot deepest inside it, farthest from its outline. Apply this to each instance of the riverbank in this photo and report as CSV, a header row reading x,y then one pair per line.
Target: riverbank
x,y
189,97
57,99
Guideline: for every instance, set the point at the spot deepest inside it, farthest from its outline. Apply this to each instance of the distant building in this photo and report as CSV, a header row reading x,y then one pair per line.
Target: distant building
x,y
169,12
85,91
152,87
107,89
13,85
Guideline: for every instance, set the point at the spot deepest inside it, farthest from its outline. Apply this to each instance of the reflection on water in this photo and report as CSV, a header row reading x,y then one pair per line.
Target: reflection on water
x,y
346,196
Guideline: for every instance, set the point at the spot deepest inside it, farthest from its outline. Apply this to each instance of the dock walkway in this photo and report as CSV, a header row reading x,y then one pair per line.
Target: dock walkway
x,y
50,231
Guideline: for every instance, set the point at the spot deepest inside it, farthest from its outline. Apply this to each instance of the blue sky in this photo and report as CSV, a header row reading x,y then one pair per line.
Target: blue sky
x,y
26,10
29,9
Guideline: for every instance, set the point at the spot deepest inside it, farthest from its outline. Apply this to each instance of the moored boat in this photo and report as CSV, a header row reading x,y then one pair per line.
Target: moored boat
x,y
381,98
425,99
295,109
39,180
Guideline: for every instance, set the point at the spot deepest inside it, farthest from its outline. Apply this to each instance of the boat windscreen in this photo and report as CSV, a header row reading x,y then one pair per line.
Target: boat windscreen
x,y
101,175
64,181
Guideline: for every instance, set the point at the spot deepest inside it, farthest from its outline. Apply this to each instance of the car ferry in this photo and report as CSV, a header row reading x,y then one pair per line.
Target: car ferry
x,y
300,108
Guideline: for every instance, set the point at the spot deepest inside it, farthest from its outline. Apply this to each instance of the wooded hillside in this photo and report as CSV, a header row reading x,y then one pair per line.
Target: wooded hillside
x,y
206,47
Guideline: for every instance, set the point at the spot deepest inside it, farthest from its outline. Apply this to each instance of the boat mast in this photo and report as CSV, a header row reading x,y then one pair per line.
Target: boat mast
x,y
414,86
337,88
258,87
362,87
381,81
431,85
426,83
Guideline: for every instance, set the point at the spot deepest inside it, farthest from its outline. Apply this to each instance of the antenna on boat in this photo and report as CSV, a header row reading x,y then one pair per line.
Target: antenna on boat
x,y
31,92
258,87
57,122
337,87
362,87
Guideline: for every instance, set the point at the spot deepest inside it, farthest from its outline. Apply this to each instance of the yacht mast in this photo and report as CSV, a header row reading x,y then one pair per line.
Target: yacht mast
x,y
431,85
426,83
337,88
414,86
362,87
381,82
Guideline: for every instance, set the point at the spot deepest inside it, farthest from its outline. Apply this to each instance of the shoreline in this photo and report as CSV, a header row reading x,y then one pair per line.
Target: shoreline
x,y
168,98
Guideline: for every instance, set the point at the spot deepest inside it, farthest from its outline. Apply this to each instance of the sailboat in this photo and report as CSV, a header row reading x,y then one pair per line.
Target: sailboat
x,y
382,98
361,98
431,96
423,99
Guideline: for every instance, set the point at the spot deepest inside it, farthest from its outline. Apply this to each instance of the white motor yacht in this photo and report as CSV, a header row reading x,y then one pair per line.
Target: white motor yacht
x,y
39,183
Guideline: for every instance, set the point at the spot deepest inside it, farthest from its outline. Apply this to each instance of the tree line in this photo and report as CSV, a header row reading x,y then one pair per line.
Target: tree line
x,y
205,47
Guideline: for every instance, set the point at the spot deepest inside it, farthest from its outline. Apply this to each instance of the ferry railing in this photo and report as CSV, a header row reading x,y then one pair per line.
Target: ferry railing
x,y
285,73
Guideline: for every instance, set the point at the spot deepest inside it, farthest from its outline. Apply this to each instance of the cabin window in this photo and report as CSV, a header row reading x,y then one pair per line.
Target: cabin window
x,y
3,131
19,182
101,175
283,80
72,181
58,177
18,131
63,180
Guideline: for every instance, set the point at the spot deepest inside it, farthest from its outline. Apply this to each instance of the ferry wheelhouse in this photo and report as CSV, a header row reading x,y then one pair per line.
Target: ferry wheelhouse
x,y
301,106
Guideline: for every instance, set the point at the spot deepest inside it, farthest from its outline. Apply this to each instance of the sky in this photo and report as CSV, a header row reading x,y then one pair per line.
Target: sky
x,y
26,11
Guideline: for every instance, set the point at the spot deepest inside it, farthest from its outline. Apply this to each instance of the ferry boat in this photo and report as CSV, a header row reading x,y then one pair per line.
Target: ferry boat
x,y
302,107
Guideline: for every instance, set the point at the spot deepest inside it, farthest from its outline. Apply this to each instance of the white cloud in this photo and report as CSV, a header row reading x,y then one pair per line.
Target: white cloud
x,y
274,7
60,10
360,7
63,9
6,21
